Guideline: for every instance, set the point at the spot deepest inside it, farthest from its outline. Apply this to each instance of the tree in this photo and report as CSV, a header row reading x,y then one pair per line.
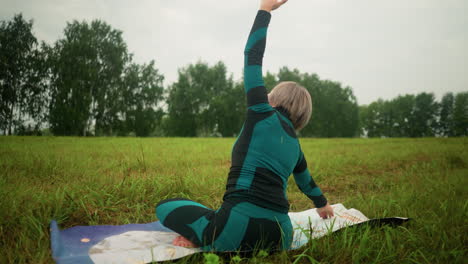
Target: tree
x,y
389,118
424,116
230,109
202,101
460,115
142,91
87,65
22,76
373,120
446,125
402,108
408,115
270,81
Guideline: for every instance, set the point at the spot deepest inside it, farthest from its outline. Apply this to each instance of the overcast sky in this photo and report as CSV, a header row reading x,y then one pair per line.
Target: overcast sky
x,y
379,48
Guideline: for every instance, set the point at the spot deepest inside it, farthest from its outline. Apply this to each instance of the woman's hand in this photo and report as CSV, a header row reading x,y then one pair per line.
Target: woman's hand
x,y
270,5
326,211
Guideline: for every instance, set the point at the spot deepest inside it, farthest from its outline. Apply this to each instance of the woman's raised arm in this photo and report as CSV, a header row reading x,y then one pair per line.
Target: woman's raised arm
x,y
257,99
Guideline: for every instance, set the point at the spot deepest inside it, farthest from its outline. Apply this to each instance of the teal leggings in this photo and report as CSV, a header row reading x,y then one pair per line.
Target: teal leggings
x,y
238,226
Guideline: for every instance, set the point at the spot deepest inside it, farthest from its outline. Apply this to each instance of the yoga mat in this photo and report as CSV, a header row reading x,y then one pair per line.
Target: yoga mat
x,y
152,242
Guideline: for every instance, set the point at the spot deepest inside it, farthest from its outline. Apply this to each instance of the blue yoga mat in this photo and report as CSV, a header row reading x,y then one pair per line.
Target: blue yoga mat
x,y
70,246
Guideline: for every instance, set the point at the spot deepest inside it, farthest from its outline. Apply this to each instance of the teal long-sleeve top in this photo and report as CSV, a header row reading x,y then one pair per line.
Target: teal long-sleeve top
x,y
267,150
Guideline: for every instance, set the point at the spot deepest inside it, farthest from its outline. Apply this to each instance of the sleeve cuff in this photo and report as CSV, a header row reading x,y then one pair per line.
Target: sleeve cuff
x,y
263,17
319,201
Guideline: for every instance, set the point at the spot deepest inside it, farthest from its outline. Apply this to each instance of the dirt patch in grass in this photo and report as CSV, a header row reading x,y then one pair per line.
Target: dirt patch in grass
x,y
226,164
454,161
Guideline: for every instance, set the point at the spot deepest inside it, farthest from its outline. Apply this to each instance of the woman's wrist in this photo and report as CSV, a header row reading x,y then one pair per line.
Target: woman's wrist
x,y
270,5
266,8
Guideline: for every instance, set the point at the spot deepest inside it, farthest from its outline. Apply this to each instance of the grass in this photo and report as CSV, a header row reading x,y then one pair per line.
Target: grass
x,y
92,181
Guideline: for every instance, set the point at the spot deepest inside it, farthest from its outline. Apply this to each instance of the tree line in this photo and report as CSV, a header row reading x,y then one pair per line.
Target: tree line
x,y
416,116
87,84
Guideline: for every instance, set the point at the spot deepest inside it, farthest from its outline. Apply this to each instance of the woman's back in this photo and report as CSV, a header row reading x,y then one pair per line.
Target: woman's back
x,y
263,157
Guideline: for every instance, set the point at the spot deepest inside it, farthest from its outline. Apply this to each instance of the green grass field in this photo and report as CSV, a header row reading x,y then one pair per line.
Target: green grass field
x,y
92,181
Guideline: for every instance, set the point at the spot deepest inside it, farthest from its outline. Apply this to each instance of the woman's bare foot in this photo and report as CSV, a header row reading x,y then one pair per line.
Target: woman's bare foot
x,y
181,241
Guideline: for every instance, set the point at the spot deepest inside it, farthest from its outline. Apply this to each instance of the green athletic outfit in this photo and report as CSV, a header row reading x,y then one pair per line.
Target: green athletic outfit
x,y
254,214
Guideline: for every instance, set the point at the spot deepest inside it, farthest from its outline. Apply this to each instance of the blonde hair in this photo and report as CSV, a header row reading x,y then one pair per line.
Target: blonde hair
x,y
295,99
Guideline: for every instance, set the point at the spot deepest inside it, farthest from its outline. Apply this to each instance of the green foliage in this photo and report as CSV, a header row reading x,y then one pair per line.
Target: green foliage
x,y
236,259
142,91
404,116
402,109
211,258
22,77
335,110
460,114
95,89
86,66
423,118
270,81
446,125
262,254
375,119
204,102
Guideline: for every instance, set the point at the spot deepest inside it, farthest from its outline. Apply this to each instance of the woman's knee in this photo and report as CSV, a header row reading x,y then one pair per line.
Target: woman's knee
x,y
180,208
164,207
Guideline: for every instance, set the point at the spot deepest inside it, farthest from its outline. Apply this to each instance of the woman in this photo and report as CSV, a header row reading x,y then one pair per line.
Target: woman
x,y
254,213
